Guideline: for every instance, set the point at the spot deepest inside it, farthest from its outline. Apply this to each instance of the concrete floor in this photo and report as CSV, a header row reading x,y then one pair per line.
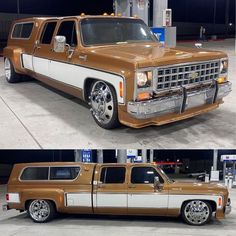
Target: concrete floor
x,y
15,223
35,116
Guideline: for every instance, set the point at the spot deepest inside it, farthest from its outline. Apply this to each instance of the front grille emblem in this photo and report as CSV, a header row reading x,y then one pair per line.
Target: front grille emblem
x,y
193,75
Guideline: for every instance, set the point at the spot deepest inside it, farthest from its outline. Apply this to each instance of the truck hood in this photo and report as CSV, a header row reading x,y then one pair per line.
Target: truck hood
x,y
154,54
198,187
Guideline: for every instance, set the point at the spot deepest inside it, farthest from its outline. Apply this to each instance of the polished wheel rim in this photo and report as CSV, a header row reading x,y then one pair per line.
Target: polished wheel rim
x,y
197,212
101,102
7,69
39,210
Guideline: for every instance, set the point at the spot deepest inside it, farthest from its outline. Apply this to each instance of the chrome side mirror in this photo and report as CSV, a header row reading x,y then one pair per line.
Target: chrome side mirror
x,y
157,182
59,43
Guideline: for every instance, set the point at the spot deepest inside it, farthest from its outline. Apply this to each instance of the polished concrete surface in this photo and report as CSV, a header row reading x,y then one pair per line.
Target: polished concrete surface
x,y
33,115
15,223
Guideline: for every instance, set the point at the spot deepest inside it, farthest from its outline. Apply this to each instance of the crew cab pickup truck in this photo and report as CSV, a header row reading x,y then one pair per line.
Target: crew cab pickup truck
x,y
116,189
117,66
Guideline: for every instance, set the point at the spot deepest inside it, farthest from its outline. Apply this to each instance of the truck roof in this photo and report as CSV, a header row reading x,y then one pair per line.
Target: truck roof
x,y
79,17
76,163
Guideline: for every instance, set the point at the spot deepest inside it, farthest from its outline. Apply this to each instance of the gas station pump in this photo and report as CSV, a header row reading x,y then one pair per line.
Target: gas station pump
x,y
162,17
229,170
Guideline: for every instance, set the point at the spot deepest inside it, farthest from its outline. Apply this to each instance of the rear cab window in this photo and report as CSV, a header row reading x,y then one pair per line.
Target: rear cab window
x,y
50,173
113,175
22,30
48,32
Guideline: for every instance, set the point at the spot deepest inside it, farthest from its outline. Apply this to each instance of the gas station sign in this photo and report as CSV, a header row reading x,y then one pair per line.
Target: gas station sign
x,y
87,155
228,157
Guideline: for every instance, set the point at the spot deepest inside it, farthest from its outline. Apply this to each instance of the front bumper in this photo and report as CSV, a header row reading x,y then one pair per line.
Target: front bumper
x,y
178,103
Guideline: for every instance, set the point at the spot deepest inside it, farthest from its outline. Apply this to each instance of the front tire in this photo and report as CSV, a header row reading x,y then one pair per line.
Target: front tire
x,y
104,105
196,212
41,211
10,74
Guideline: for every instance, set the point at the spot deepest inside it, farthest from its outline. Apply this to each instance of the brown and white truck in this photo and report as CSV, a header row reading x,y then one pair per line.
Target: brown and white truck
x,y
118,67
42,189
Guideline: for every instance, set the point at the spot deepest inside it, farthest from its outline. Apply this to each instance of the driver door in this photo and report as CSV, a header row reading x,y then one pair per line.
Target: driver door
x,y
143,197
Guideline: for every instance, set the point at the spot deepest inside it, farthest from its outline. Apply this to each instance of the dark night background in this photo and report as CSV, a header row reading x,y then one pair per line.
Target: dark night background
x,y
16,156
183,10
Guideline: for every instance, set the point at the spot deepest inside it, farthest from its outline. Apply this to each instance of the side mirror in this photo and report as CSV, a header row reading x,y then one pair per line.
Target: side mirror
x,y
59,43
157,182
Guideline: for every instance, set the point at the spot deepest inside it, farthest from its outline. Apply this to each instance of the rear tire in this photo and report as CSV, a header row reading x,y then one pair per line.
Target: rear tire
x,y
196,212
41,211
10,74
104,105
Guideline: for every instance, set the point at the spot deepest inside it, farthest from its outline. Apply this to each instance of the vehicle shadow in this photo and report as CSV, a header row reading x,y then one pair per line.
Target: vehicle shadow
x,y
112,221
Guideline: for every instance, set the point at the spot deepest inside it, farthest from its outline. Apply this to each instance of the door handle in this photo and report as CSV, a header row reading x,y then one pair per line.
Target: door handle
x,y
83,57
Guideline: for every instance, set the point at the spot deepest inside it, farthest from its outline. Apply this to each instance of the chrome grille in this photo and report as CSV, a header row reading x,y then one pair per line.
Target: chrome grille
x,y
172,77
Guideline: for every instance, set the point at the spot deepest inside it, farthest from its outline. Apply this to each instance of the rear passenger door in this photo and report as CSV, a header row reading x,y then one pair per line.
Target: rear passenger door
x,y
43,48
143,198
110,190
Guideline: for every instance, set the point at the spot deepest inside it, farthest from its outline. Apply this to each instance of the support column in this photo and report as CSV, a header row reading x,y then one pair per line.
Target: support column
x,y
215,159
144,155
151,155
121,156
158,7
99,156
78,155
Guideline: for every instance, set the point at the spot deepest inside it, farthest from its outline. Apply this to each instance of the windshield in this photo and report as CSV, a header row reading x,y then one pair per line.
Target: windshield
x,y
103,31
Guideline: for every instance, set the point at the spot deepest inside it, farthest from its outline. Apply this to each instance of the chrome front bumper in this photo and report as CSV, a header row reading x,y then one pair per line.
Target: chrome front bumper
x,y
178,103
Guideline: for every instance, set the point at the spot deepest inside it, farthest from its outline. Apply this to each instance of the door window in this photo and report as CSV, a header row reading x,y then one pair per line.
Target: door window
x,y
144,175
47,33
68,29
113,175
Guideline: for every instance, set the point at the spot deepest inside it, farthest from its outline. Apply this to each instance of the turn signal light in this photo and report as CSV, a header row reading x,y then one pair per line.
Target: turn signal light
x,y
220,201
7,197
143,96
221,80
121,89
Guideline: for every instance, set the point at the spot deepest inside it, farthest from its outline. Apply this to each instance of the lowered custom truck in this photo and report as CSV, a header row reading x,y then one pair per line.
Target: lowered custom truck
x,y
117,66
42,189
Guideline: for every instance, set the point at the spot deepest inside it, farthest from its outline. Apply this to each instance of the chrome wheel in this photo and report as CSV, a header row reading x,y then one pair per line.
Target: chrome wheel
x,y
39,210
197,212
7,66
101,102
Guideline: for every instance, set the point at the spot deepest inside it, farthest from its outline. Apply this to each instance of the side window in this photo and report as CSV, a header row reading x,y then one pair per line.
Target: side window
x,y
113,175
35,173
47,33
64,173
144,175
68,29
23,30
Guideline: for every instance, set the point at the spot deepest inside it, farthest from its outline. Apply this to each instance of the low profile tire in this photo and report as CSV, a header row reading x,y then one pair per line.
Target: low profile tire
x,y
104,105
10,74
196,212
41,211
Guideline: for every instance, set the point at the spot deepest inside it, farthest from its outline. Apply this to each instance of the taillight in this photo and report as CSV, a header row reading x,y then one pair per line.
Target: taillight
x,y
7,197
